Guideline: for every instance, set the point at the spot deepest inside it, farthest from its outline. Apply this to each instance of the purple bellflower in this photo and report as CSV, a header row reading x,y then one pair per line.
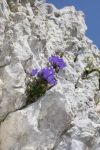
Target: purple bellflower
x,y
48,74
34,72
57,61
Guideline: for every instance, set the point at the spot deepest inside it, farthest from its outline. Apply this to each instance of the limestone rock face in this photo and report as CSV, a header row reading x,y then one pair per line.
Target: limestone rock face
x,y
67,117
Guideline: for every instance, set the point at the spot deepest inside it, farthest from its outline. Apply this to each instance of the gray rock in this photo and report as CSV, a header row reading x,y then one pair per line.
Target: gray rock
x,y
67,117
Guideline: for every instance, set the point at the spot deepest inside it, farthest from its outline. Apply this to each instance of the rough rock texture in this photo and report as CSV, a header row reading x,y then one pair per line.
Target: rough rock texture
x,y
67,117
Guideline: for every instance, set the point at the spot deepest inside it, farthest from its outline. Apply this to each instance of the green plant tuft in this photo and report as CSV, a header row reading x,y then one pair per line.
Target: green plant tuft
x,y
35,89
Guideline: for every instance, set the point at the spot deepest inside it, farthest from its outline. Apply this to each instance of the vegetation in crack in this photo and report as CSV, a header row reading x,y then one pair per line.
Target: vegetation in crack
x,y
42,80
88,70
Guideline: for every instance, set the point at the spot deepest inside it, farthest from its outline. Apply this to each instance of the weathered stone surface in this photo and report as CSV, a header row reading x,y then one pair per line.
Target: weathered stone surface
x,y
67,117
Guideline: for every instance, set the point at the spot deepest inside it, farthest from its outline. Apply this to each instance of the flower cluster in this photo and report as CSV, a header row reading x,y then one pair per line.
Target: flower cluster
x,y
43,79
57,61
34,72
48,73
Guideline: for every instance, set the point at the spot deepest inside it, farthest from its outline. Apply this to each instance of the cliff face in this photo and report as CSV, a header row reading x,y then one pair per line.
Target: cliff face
x,y
67,117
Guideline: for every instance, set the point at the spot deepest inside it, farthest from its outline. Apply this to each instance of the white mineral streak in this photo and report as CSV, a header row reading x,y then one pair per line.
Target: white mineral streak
x,y
66,118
